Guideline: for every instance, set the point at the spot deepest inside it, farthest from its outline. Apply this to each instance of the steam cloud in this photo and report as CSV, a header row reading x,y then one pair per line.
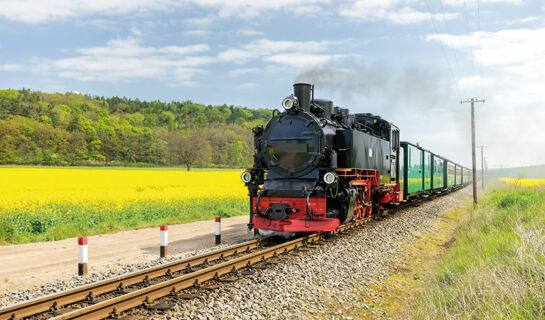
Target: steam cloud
x,y
414,87
421,100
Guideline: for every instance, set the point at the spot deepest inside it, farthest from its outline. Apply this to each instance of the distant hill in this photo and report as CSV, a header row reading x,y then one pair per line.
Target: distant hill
x,y
76,129
534,172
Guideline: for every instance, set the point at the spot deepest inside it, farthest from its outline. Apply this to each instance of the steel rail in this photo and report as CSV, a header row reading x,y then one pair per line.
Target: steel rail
x,y
88,292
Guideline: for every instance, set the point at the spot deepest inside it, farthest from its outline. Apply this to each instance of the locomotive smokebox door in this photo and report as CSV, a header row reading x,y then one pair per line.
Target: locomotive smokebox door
x,y
279,211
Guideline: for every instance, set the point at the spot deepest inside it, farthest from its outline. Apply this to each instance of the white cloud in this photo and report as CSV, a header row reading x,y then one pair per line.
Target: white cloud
x,y
310,10
137,32
393,11
253,8
461,3
248,32
302,60
11,67
511,120
197,33
293,53
39,11
468,83
131,47
243,71
237,55
123,60
200,22
128,59
523,20
516,50
247,85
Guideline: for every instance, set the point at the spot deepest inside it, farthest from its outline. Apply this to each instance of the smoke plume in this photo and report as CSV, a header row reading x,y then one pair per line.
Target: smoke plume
x,y
421,100
414,87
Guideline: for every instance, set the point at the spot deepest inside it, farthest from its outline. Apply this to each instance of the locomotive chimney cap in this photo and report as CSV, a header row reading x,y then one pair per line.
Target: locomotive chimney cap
x,y
304,93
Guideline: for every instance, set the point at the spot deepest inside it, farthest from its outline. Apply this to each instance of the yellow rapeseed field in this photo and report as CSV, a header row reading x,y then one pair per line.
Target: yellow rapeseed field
x,y
38,204
24,187
525,183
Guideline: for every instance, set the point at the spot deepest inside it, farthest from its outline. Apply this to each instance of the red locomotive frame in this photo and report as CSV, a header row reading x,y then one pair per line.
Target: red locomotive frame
x,y
309,214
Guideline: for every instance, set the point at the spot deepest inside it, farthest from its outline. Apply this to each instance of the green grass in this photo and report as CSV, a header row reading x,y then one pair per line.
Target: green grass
x,y
61,221
495,268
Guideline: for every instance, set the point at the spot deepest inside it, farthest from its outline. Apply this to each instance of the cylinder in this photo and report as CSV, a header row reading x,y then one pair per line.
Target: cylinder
x,y
164,241
303,92
82,256
218,230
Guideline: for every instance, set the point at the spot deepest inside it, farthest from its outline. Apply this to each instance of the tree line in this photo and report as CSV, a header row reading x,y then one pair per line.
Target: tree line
x,y
38,128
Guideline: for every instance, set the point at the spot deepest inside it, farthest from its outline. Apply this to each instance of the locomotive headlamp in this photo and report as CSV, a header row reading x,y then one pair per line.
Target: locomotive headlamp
x,y
246,176
330,177
289,102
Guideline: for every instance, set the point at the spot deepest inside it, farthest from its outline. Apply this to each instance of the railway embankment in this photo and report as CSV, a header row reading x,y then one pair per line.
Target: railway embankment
x,y
495,267
487,263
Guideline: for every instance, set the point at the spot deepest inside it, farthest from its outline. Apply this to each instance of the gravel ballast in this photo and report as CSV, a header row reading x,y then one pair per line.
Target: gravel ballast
x,y
307,285
313,283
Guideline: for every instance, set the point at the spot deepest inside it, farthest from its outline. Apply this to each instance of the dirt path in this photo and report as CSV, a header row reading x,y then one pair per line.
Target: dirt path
x,y
28,265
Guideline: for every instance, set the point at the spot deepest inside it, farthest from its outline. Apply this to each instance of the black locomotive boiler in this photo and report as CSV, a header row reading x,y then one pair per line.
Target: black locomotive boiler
x,y
317,166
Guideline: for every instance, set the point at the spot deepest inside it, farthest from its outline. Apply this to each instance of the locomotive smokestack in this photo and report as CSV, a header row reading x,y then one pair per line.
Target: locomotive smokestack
x,y
303,92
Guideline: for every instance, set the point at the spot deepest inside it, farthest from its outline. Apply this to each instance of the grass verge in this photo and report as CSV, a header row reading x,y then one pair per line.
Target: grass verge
x,y
61,221
495,267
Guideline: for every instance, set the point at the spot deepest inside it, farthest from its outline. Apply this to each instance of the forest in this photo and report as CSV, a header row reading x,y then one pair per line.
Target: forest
x,y
38,128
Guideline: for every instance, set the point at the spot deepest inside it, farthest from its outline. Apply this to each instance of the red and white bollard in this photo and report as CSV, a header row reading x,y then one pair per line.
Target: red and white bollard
x,y
82,256
164,241
218,230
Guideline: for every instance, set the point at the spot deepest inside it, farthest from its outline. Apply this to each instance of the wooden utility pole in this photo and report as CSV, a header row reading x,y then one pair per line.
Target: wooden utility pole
x,y
482,165
474,162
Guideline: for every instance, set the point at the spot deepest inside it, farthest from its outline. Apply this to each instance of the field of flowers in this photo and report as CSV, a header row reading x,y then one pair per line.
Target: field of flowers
x,y
524,183
38,204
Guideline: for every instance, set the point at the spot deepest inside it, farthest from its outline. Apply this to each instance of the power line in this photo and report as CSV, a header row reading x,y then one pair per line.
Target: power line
x,y
443,50
480,44
449,36
469,38
447,45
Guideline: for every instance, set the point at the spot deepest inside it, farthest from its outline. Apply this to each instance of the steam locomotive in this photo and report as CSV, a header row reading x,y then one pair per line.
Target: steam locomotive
x,y
317,166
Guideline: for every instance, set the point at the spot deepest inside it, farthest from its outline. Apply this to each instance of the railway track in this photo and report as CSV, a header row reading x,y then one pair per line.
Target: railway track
x,y
91,294
110,298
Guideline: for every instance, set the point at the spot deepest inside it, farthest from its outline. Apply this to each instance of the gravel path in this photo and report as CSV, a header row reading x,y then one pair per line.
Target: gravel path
x,y
13,297
310,284
25,266
317,283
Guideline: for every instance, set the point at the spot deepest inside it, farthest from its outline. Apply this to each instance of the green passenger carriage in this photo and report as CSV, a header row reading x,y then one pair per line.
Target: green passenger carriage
x,y
422,171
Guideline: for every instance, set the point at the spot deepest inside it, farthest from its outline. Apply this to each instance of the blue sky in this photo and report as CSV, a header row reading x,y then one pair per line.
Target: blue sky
x,y
410,61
